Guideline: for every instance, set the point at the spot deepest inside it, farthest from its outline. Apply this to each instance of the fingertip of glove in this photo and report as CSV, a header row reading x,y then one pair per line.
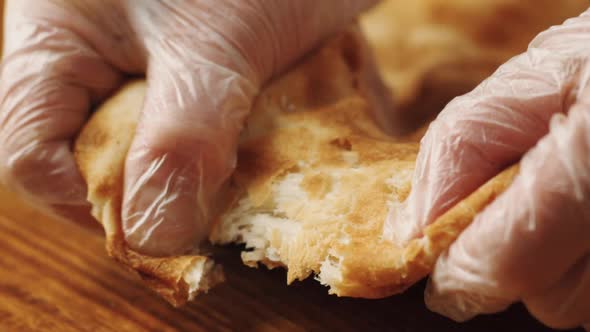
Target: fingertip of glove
x,y
164,207
159,222
444,302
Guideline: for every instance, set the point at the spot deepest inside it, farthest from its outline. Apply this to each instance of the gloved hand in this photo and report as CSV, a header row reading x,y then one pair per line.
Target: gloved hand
x,y
533,243
205,61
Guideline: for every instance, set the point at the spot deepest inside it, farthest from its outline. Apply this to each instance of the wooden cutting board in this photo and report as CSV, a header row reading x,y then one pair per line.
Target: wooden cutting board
x,y
55,276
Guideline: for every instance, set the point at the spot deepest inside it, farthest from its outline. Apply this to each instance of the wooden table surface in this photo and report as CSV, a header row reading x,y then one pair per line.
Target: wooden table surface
x,y
55,276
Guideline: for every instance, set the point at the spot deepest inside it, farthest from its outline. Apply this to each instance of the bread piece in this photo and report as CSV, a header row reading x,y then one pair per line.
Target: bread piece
x,y
454,44
314,182
100,152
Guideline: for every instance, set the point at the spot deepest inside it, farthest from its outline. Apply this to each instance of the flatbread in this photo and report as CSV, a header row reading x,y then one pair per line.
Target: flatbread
x,y
316,176
312,188
429,51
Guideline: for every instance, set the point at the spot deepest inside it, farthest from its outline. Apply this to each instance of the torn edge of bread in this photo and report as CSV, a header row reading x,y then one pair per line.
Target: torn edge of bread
x,y
330,274
198,277
258,229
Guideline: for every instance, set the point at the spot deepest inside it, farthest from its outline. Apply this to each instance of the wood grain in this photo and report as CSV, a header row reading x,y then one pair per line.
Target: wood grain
x,y
55,276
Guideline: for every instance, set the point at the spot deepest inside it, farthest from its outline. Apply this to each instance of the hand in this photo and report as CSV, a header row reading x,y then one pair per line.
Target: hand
x,y
205,61
533,242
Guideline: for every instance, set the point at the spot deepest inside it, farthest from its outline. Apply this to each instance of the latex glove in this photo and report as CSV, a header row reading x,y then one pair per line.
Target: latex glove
x,y
205,61
533,242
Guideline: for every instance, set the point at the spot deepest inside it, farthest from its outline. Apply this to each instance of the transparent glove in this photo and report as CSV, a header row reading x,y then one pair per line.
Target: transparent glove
x,y
533,243
204,60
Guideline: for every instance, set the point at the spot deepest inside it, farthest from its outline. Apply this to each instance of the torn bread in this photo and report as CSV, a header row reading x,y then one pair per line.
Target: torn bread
x,y
314,182
316,179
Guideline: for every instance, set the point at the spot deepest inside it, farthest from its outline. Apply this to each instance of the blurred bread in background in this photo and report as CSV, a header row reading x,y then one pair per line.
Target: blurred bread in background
x,y
430,51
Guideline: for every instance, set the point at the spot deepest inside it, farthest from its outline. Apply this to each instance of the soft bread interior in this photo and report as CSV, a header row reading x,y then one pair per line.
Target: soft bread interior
x,y
198,277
